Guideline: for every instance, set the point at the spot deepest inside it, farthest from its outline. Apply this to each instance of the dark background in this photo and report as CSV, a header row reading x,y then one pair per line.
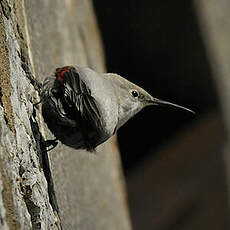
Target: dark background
x,y
173,161
157,45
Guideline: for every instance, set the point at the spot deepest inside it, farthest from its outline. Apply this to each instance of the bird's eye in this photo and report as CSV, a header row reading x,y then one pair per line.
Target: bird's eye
x,y
134,93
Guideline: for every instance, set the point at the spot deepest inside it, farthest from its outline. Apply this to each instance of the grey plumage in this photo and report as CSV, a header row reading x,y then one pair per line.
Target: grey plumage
x,y
84,108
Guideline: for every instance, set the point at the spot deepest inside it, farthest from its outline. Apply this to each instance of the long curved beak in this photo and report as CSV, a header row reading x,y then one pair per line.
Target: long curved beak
x,y
156,101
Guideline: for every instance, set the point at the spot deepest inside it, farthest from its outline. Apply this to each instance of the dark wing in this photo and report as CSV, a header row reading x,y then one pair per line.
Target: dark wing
x,y
78,103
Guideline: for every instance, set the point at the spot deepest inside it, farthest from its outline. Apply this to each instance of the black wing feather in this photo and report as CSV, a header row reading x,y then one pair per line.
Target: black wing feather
x,y
80,105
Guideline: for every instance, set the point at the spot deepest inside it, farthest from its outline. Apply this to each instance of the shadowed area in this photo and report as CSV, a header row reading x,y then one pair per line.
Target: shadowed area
x,y
158,46
173,161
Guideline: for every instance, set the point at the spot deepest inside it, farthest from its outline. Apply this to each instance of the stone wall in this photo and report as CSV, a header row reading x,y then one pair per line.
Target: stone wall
x,y
64,188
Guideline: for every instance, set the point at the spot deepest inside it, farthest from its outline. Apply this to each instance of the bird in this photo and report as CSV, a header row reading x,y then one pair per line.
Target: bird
x,y
83,108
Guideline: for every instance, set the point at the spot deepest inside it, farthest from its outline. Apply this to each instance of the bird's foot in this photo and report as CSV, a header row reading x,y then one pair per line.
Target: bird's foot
x,y
53,143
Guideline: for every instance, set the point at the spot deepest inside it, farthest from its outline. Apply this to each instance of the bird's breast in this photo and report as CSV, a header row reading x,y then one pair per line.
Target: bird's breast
x,y
109,113
103,92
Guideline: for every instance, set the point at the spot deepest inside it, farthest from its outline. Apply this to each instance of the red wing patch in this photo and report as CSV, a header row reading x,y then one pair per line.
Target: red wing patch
x,y
60,72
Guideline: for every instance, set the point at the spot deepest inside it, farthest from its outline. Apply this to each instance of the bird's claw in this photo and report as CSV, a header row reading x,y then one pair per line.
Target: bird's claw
x,y
53,143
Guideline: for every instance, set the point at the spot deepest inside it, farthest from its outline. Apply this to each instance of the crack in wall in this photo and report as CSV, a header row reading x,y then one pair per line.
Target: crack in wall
x,y
25,66
6,9
44,162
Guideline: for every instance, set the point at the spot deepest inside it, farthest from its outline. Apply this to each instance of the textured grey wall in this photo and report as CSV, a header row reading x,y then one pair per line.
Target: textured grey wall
x,y
86,190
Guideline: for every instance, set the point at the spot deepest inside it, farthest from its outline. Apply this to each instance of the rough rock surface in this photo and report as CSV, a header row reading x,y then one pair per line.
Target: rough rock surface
x,y
66,188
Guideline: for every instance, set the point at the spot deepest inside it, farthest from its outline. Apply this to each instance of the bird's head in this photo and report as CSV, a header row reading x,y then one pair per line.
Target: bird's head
x,y
132,99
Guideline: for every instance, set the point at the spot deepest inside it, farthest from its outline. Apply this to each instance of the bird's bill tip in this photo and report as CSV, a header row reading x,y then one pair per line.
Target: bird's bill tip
x,y
156,101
